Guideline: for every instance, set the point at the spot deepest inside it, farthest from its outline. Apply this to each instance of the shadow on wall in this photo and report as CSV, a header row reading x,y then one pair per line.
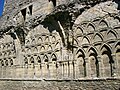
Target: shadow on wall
x,y
118,2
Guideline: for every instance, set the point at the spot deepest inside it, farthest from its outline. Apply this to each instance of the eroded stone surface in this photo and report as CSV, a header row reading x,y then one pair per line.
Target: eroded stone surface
x,y
71,40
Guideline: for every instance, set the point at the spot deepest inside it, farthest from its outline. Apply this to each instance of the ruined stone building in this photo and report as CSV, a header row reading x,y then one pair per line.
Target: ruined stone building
x,y
60,40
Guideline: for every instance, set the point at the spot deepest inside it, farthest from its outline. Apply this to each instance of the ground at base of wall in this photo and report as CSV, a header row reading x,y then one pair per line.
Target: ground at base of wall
x,y
60,85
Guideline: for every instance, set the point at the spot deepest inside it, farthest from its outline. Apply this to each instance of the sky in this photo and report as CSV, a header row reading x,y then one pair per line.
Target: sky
x,y
1,6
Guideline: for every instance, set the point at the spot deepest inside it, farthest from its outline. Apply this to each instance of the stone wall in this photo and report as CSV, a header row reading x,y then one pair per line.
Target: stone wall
x,y
91,50
105,84
58,48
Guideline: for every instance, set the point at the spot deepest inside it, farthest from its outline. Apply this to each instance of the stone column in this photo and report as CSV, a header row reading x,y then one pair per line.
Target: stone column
x,y
77,73
101,68
68,69
19,57
65,69
33,70
63,72
25,71
71,69
36,68
0,71
73,65
36,71
114,66
30,70
11,70
59,70
5,69
41,70
52,68
88,68
48,70
22,71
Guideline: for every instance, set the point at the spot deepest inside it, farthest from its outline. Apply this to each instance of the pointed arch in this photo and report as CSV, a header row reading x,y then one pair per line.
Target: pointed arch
x,y
117,19
103,24
79,39
2,62
80,52
0,54
57,45
94,64
6,62
38,59
113,21
103,32
42,49
96,21
45,58
98,37
95,51
26,60
28,50
11,62
91,27
84,23
106,46
76,42
53,38
85,40
46,39
49,47
107,60
79,30
35,49
32,59
40,40
53,57
4,53
81,63
33,41
27,41
115,46
111,35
